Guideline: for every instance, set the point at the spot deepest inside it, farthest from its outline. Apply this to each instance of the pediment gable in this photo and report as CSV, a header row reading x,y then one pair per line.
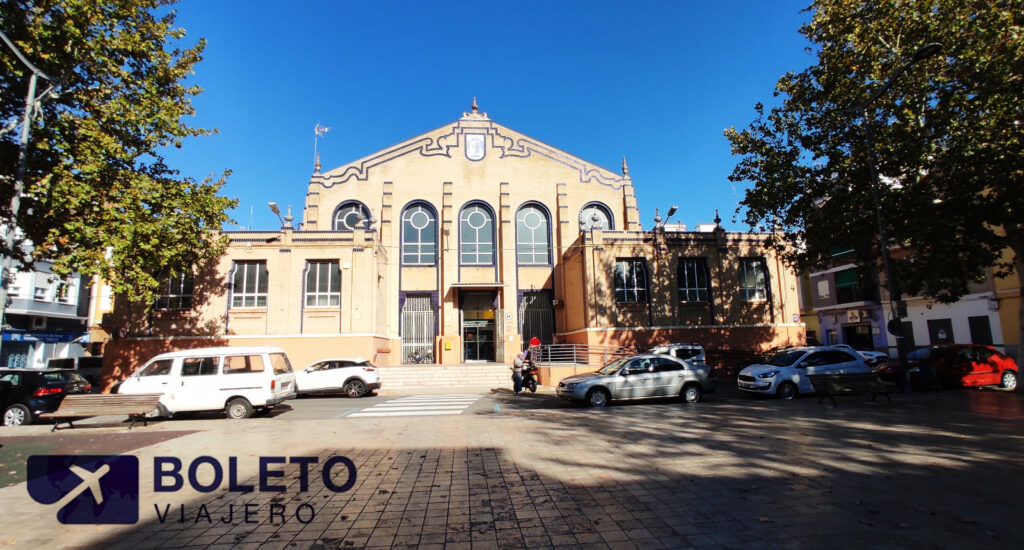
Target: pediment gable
x,y
473,138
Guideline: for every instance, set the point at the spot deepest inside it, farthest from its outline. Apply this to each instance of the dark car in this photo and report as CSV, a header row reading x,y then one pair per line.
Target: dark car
x,y
27,393
89,366
957,365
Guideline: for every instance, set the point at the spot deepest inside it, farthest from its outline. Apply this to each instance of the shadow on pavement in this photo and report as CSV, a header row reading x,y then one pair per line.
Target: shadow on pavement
x,y
934,472
17,448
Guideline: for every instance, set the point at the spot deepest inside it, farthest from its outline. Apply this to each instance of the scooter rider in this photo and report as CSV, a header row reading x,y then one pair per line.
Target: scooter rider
x,y
517,372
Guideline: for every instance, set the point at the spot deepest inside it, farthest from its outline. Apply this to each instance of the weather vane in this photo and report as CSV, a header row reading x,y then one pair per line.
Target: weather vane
x,y
318,132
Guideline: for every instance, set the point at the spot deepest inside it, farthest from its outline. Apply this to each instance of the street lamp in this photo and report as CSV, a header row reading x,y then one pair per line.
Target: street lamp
x,y
31,104
924,52
659,223
286,222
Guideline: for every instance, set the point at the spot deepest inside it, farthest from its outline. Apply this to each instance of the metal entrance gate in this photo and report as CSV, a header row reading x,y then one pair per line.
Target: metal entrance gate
x,y
419,329
536,317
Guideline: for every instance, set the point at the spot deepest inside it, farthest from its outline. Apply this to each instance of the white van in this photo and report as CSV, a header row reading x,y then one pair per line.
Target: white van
x,y
236,380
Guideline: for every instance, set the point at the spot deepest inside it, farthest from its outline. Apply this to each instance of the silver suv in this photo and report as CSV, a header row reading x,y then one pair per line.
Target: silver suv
x,y
638,377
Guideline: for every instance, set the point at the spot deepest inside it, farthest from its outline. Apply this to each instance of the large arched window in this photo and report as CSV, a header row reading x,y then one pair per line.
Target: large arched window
x,y
476,235
419,235
596,216
533,245
351,216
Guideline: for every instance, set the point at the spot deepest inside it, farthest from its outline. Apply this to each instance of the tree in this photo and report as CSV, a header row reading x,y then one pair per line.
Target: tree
x,y
99,198
948,137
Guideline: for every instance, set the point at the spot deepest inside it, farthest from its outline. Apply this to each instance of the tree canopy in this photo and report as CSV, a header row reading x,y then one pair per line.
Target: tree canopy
x,y
948,138
99,198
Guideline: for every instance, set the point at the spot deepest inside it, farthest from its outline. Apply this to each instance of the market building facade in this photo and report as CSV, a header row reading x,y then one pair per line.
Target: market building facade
x,y
457,246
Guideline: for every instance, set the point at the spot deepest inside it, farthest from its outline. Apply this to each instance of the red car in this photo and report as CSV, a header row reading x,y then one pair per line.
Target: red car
x,y
956,365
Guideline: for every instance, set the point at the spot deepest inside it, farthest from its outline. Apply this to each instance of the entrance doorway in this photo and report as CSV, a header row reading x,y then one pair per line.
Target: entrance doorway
x,y
858,336
478,338
419,322
16,355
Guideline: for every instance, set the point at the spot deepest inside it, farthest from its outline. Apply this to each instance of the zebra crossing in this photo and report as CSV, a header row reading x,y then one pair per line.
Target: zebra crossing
x,y
420,405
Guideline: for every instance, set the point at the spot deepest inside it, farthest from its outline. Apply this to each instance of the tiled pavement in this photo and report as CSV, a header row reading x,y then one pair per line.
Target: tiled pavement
x,y
929,471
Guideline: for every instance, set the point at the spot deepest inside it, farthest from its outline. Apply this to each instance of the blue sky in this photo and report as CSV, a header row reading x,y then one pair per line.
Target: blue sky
x,y
656,82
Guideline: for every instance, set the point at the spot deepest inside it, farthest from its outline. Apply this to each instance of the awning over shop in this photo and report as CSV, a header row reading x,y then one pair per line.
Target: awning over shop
x,y
46,337
849,277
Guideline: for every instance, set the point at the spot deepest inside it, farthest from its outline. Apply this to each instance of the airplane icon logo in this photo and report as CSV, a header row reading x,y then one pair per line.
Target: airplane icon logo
x,y
86,489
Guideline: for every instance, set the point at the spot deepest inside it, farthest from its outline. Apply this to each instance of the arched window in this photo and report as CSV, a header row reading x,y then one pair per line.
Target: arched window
x,y
476,236
596,216
351,216
533,245
419,235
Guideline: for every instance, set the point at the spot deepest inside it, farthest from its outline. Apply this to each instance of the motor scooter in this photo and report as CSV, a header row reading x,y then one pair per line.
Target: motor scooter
x,y
530,374
417,358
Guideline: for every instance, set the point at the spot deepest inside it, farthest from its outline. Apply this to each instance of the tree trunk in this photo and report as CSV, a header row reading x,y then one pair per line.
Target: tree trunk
x,y
1018,264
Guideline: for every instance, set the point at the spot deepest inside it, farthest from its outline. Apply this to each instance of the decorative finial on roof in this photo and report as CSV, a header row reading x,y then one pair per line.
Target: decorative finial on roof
x,y
316,165
718,219
474,113
288,218
625,168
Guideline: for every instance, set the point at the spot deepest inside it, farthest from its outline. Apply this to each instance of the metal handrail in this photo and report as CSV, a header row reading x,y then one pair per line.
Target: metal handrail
x,y
586,356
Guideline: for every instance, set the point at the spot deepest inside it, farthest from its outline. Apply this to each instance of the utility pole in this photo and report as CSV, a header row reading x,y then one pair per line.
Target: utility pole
x,y
11,229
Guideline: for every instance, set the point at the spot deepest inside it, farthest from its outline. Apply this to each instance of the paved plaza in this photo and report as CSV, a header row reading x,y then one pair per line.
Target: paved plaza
x,y
939,470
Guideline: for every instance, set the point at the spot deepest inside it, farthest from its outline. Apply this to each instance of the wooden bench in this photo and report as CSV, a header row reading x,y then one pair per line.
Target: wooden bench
x,y
830,385
79,406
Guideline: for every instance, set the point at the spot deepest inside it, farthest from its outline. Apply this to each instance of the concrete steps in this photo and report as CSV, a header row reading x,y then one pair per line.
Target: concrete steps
x,y
408,378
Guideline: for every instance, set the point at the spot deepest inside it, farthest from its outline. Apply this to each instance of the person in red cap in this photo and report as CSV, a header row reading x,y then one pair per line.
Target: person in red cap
x,y
534,350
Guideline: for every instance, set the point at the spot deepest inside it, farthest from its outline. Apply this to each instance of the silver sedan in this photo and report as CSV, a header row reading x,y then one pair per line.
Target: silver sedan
x,y
639,377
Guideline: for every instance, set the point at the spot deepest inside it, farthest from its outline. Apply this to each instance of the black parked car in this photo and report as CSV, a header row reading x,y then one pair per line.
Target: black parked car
x,y
27,393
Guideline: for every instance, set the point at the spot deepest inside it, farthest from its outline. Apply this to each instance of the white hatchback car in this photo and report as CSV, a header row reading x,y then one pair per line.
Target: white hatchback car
x,y
353,377
786,373
871,357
